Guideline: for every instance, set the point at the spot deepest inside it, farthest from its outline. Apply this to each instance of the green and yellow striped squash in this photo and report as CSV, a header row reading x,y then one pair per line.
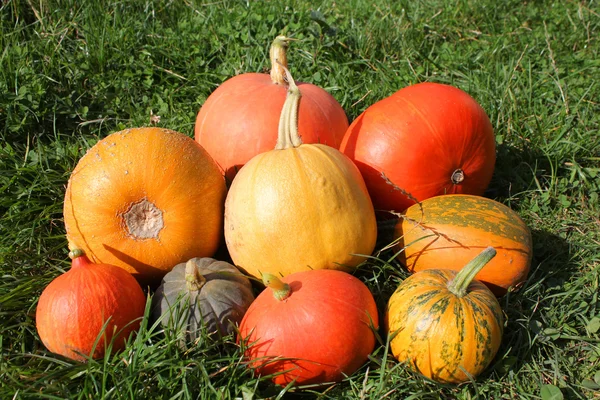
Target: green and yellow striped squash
x,y
449,230
444,324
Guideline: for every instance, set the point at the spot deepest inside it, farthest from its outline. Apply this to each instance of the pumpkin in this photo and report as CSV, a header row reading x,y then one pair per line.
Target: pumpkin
x,y
311,327
298,207
145,200
444,324
425,140
451,230
240,118
202,294
89,307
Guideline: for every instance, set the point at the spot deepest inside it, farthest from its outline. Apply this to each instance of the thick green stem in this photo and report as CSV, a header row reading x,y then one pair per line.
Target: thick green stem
x,y
461,282
75,253
288,136
281,290
193,279
278,56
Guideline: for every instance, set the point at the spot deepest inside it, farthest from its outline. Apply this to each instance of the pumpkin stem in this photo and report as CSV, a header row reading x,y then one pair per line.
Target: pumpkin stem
x,y
461,282
288,136
457,176
78,257
278,56
281,290
193,279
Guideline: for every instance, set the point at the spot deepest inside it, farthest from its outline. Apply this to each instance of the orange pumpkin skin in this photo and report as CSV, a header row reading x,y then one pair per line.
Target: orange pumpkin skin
x,y
74,307
321,333
451,230
426,140
145,199
240,119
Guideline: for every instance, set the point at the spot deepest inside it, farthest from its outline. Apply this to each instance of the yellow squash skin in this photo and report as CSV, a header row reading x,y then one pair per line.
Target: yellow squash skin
x,y
439,334
145,199
297,209
450,230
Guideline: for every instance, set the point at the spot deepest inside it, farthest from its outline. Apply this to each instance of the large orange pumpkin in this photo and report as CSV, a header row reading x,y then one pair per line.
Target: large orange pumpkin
x,y
424,140
240,118
311,327
298,207
145,199
80,312
450,230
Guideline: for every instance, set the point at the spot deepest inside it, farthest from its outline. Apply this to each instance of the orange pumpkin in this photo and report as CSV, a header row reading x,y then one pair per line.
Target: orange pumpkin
x,y
240,118
450,230
89,303
145,199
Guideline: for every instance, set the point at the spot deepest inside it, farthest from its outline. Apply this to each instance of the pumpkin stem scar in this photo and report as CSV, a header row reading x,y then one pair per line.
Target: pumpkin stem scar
x,y
193,279
288,136
459,285
281,290
278,56
457,176
143,220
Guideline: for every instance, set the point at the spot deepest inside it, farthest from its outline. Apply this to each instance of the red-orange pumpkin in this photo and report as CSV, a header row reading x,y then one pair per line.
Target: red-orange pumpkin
x,y
86,301
310,327
425,140
240,118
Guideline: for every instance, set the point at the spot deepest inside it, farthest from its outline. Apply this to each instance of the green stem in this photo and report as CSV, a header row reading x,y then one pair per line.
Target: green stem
x,y
461,282
193,279
278,56
281,290
288,136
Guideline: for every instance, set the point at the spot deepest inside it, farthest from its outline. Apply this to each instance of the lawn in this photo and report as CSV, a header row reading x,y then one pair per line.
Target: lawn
x,y
72,72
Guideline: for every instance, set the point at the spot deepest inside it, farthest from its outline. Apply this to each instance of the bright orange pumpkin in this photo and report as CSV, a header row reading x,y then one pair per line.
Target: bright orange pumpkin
x,y
311,327
86,301
450,230
444,324
425,140
145,199
240,118
298,207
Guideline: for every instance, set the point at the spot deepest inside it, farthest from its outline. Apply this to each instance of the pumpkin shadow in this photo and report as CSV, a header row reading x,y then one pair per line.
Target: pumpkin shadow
x,y
146,269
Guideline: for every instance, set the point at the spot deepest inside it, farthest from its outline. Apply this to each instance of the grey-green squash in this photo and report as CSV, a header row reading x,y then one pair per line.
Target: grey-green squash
x,y
202,294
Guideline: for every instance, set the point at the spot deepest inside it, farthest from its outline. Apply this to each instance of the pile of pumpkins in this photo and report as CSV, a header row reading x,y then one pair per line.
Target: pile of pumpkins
x,y
276,168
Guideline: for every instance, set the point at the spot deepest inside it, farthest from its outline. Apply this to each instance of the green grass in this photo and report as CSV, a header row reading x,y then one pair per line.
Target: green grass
x,y
71,72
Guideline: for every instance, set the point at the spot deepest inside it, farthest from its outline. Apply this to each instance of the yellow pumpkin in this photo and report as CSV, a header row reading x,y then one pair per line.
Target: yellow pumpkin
x,y
298,207
145,199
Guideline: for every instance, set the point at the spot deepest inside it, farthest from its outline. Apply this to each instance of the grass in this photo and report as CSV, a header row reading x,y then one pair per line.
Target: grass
x,y
71,72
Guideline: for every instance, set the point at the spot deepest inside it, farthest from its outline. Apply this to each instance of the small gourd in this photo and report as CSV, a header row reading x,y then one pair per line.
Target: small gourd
x,y
202,294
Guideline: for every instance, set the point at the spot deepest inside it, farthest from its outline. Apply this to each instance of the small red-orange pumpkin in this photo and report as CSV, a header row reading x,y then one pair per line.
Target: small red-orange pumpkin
x,y
87,301
240,119
310,327
425,140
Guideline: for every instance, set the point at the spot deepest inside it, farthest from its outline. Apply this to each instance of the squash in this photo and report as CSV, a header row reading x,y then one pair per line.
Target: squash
x,y
240,118
311,327
88,303
298,207
425,140
202,294
444,324
145,199
451,230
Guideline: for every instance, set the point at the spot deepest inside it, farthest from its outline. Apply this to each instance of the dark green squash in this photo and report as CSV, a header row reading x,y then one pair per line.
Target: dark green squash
x,y
202,294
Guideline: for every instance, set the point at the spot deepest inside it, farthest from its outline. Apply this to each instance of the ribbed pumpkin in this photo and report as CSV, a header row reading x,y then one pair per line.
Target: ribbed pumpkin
x,y
298,207
425,140
202,294
145,199
240,118
444,324
311,327
451,230
85,302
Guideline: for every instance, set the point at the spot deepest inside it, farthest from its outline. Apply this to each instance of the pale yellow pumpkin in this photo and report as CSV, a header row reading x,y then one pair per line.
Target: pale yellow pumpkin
x,y
298,207
145,199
